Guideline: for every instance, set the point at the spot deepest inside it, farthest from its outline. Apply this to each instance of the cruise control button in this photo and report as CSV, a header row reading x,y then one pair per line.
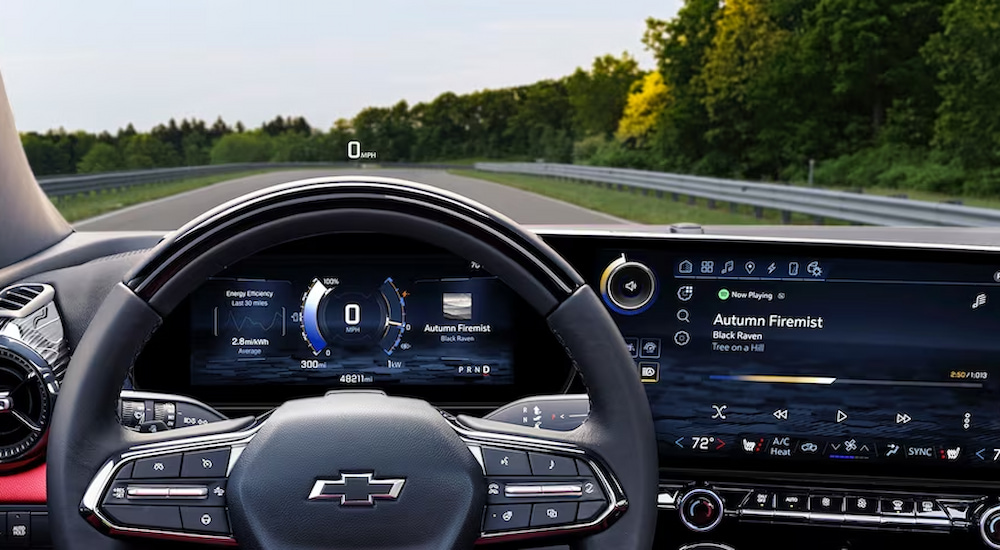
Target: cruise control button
x,y
897,506
551,465
590,510
158,466
162,517
553,513
500,462
205,463
827,504
792,502
205,519
862,505
506,517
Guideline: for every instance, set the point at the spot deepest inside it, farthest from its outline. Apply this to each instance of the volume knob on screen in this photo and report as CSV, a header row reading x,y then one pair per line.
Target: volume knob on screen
x,y
628,287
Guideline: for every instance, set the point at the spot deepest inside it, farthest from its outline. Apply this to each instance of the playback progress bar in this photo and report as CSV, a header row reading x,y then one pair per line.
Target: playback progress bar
x,y
830,380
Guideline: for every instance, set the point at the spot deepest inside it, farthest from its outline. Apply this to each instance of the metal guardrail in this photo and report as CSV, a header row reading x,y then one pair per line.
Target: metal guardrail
x,y
824,203
60,186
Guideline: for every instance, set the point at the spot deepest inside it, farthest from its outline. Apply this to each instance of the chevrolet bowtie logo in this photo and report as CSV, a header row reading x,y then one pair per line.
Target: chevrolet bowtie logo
x,y
357,489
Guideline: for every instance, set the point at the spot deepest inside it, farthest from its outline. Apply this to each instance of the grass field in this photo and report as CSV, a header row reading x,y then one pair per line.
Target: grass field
x,y
635,206
88,205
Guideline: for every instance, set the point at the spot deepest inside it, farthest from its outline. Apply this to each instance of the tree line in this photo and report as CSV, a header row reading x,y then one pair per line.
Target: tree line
x,y
893,93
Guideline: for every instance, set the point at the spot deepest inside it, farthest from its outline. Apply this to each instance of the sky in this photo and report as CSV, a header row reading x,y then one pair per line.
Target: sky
x,y
98,65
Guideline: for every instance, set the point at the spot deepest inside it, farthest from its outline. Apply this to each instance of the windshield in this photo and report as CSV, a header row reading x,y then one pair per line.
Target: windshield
x,y
712,112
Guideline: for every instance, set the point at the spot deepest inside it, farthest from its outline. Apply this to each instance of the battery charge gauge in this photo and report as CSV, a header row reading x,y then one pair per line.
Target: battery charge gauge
x,y
334,314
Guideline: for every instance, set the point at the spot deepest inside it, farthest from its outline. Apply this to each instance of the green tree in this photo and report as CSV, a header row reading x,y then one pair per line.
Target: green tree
x,y
679,46
245,147
598,96
143,151
966,56
102,157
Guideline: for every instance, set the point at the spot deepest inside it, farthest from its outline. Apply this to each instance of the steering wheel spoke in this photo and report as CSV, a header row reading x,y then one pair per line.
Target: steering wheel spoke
x,y
541,484
173,488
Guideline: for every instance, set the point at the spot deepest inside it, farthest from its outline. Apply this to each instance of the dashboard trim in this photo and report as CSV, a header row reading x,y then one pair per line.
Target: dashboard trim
x,y
631,234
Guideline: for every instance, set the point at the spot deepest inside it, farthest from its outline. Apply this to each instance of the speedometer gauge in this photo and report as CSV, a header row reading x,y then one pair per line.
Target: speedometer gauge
x,y
335,313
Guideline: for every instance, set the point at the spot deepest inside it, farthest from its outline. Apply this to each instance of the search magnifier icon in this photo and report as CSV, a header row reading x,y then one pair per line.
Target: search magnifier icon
x,y
683,316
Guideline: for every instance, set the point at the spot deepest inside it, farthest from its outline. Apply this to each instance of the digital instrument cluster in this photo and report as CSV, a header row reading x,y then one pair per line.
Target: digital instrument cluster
x,y
347,322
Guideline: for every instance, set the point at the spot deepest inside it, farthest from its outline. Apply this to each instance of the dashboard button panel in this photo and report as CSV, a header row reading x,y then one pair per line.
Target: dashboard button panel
x,y
832,506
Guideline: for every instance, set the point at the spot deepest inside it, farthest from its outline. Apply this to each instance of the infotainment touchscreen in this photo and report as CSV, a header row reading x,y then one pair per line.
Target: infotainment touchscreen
x,y
784,357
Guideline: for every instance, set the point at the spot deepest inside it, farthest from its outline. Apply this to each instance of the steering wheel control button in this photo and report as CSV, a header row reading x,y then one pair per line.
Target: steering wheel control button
x,y
700,510
205,519
500,462
506,517
628,287
152,517
205,463
157,467
551,465
590,510
828,504
544,515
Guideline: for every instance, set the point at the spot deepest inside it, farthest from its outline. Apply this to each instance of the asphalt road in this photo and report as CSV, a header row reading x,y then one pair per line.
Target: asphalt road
x,y
171,212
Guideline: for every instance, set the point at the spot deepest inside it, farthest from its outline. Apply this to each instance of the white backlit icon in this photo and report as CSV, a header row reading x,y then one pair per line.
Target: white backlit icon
x,y
980,301
750,267
793,268
508,515
728,267
685,292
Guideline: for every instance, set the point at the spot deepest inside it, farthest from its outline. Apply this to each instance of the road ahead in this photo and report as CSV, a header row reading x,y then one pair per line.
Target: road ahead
x,y
172,212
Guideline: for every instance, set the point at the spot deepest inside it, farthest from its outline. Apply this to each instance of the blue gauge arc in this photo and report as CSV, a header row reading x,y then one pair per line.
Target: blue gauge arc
x,y
310,316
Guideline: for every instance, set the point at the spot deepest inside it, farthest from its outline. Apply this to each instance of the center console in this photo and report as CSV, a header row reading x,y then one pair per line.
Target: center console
x,y
813,383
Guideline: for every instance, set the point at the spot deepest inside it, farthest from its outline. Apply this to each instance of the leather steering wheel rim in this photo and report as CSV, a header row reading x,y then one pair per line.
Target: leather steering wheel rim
x,y
85,430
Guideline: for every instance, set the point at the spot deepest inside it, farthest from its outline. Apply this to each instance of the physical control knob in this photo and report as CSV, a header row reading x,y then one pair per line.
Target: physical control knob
x,y
700,510
989,526
628,287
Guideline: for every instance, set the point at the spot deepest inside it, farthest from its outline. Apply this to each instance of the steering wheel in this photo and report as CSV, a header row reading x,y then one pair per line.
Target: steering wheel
x,y
352,469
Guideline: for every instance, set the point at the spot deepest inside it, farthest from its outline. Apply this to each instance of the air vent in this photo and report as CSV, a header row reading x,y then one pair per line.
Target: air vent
x,y
27,393
21,300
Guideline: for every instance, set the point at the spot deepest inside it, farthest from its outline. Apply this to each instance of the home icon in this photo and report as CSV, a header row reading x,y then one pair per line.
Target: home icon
x,y
686,267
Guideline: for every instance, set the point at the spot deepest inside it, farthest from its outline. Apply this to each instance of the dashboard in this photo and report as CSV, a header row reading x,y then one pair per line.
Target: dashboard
x,y
794,383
